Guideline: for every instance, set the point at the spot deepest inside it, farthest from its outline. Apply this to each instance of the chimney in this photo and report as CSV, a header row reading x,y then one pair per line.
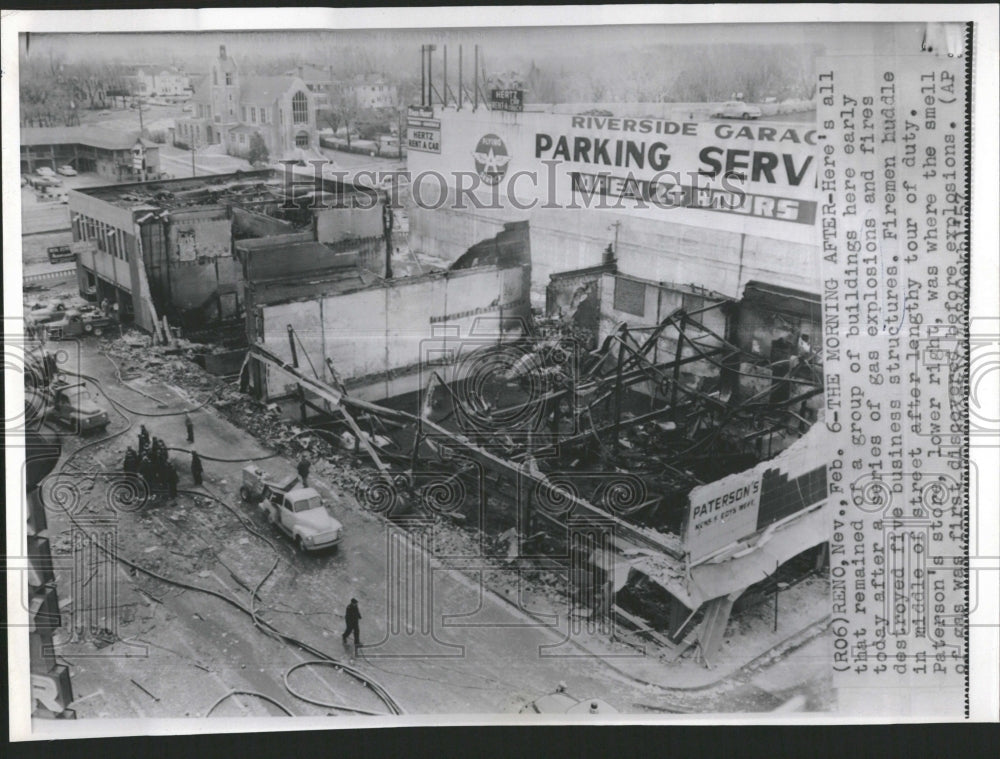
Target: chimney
x,y
222,52
301,73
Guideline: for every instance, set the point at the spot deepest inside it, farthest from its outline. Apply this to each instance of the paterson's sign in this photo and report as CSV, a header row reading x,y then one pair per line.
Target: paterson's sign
x,y
721,513
735,507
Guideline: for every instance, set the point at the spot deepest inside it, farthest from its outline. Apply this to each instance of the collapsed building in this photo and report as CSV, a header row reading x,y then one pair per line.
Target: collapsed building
x,y
658,430
676,424
165,249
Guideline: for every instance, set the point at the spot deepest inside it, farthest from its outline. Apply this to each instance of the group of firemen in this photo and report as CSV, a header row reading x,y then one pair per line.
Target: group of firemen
x,y
152,463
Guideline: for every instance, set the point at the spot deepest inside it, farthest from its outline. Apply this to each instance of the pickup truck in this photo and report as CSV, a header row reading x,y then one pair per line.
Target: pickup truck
x,y
73,407
59,254
73,323
297,511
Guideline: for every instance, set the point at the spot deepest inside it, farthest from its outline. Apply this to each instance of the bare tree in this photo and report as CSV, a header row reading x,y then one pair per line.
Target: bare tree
x,y
345,107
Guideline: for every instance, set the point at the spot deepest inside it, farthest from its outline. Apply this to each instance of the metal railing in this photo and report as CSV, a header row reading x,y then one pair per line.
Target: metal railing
x,y
68,271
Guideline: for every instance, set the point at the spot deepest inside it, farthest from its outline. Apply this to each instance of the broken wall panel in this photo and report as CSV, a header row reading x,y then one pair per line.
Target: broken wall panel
x,y
390,327
336,224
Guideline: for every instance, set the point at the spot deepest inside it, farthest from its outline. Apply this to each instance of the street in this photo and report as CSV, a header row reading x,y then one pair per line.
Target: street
x,y
437,640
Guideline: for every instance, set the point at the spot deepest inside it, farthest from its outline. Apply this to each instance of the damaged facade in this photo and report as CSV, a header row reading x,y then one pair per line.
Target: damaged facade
x,y
371,335
656,430
165,249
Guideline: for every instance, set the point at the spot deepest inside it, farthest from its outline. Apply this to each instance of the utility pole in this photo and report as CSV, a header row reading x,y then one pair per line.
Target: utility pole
x,y
423,77
192,158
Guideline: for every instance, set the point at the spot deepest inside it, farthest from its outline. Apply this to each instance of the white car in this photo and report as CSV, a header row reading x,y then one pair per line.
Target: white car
x,y
561,702
45,171
400,179
66,171
736,109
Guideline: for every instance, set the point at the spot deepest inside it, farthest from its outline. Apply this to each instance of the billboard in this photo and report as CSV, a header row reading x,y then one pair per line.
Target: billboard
x,y
738,176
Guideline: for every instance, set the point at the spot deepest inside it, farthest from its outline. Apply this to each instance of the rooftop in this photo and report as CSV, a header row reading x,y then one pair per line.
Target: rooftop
x,y
92,136
241,188
311,74
265,89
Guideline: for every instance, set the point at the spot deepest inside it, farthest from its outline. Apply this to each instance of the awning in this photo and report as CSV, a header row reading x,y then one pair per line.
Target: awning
x,y
710,581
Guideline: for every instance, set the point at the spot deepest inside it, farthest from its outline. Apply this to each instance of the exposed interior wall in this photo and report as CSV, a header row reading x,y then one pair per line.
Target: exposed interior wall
x,y
249,224
396,325
335,224
201,267
563,240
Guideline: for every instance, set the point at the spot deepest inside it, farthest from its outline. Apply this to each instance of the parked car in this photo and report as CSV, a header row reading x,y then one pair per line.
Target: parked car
x,y
400,179
66,171
737,109
296,510
40,183
189,108
44,171
104,113
60,254
561,702
74,407
52,194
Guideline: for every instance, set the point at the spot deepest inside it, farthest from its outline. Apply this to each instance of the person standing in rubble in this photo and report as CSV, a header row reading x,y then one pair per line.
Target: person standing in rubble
x,y
131,465
189,425
146,469
304,471
143,440
170,475
196,468
352,616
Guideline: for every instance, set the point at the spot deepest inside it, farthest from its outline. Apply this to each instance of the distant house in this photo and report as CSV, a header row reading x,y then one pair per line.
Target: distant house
x,y
370,91
121,156
162,82
230,108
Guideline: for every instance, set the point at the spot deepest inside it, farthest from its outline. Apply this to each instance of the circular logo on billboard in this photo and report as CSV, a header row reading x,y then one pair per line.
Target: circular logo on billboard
x,y
491,159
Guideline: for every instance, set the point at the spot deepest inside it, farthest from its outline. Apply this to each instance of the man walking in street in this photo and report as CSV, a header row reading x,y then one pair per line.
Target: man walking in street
x,y
352,616
196,468
190,428
304,471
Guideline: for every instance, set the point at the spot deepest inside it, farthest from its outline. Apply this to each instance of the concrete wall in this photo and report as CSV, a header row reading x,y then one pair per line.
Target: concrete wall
x,y
204,233
247,224
334,224
562,240
395,326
